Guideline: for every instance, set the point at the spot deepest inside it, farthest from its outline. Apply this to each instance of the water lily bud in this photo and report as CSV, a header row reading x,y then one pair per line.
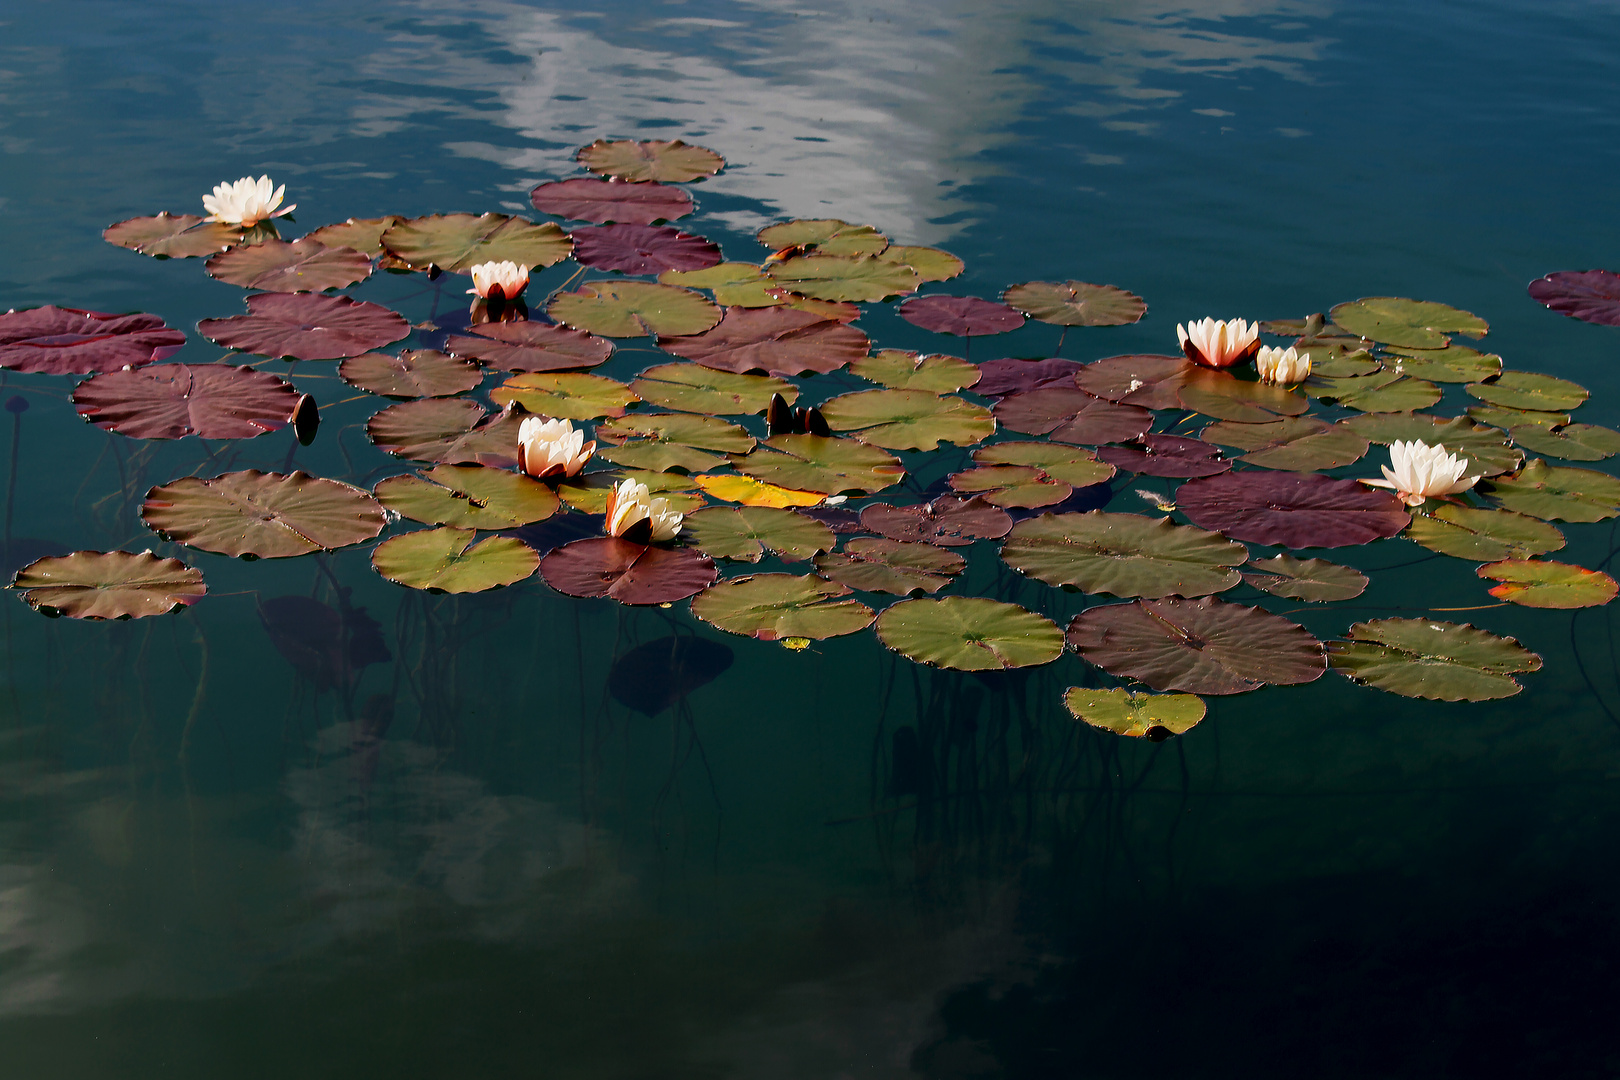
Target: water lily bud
x,y
1219,344
1285,367
551,448
306,420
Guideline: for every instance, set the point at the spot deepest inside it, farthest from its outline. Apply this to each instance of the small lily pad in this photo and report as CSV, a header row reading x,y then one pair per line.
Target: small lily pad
x,y
421,373
1313,580
450,561
862,278
1553,493
773,607
668,160
469,497
634,309
901,369
1465,532
827,236
108,585
1528,390
302,266
570,395
908,419
1076,303
1123,555
1437,660
746,533
459,242
969,633
815,463
531,346
630,573
947,521
694,388
1541,584
1155,717
878,564
1417,324
262,515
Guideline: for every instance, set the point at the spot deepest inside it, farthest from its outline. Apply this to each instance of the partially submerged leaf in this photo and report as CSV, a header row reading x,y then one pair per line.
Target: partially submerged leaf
x,y
775,341
878,564
108,585
171,401
1541,584
1437,660
531,346
586,199
1076,303
67,341
469,497
1419,324
459,242
626,572
307,326
571,395
302,266
669,160
420,373
969,633
1123,555
1155,717
1313,580
1483,535
1553,493
902,369
772,607
263,515
634,309
1296,510
908,419
747,533
448,560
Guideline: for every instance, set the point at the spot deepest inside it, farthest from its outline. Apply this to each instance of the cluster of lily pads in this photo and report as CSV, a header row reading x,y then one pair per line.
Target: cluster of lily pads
x,y
723,470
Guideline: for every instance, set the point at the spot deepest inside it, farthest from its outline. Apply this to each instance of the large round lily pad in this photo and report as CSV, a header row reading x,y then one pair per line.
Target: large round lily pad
x,y
1076,303
1483,535
669,160
1553,493
772,607
634,309
908,419
746,533
1166,455
173,236
307,326
1486,448
694,388
1072,415
963,316
828,236
1528,390
469,497
1589,295
1291,443
862,278
108,585
586,199
66,341
626,572
447,430
772,340
1155,717
878,564
969,633
1542,584
570,395
1314,580
1150,380
1123,555
459,242
454,560
901,369
531,346
1202,646
1296,510
171,401
816,463
642,249
263,515
420,373
1419,324
948,521
301,266
1437,660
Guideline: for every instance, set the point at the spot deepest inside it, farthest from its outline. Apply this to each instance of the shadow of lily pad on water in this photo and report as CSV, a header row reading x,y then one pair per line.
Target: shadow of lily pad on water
x,y
108,585
658,674
262,515
1441,661
1155,717
67,341
172,401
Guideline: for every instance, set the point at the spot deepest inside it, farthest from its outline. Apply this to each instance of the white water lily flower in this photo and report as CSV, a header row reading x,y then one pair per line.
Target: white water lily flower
x,y
1219,344
548,448
1285,367
628,505
1417,470
246,202
499,280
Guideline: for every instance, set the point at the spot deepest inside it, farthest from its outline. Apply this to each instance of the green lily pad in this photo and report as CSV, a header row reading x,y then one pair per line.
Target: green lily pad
x,y
588,493
1527,390
262,515
664,441
902,369
668,160
1123,554
878,564
634,309
1483,535
1293,443
776,606
930,263
828,236
1535,583
908,419
733,284
815,463
1453,364
358,234
1437,660
459,242
1340,361
746,533
1030,474
1382,392
1155,717
468,497
1572,442
845,277
1553,493
694,388
1314,580
1222,395
446,430
1485,448
173,236
449,561
570,395
421,373
108,585
1507,419
1076,303
1416,324
969,633
655,455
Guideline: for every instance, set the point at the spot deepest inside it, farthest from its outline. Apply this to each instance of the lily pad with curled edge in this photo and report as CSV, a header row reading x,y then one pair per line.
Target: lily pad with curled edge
x,y
694,388
171,401
67,341
448,560
1204,646
947,521
750,492
668,160
531,346
570,395
1072,415
1011,375
1536,583
969,633
629,573
307,326
902,369
1453,364
860,278
1123,555
1312,580
1293,443
1508,419
733,284
831,466
1076,303
772,607
588,493
469,497
634,309
773,340
108,585
173,236
1589,295
588,199
1296,510
459,242
359,234
1572,442
420,373
1553,493
930,263
1224,396
746,533
1528,390
1416,324
1147,379
262,515
908,419
1483,535
1166,455
828,236
301,266
1154,717
445,430
1442,661
642,249
878,564
1486,448
1381,392
962,316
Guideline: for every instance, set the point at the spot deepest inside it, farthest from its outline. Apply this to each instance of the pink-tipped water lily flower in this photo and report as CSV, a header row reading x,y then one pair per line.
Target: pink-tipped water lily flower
x,y
551,448
628,506
246,202
499,280
1417,471
1219,344
1285,367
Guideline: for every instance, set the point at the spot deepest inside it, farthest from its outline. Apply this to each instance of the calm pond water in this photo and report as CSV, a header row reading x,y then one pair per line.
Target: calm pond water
x,y
202,876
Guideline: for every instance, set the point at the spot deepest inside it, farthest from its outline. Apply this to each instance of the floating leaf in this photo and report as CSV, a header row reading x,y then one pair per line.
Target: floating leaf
x,y
1155,717
1382,392
359,234
1123,555
1010,375
531,346
569,394
108,585
263,515
642,249
930,263
1508,419
878,564
1030,474
307,326
1346,361
1314,580
901,369
173,236
969,633
1167,455
421,373
1572,442
1222,395
626,572
776,341
1556,494
66,341
963,316
843,277
171,401
747,533
634,309
301,266
1527,390
656,455
908,419
589,493
1294,443
947,521
1072,415
698,389
1296,510
1454,364
704,432
1148,379
447,560
1589,295
447,430
827,236
583,199
1483,535
750,492
733,284
837,310
1535,583
815,463
459,242
1417,324
773,607
1201,646
1076,303
671,161
1437,660
1485,448
469,497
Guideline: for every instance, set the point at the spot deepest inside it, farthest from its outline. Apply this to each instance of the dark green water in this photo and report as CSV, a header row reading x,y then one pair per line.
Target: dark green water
x,y
200,878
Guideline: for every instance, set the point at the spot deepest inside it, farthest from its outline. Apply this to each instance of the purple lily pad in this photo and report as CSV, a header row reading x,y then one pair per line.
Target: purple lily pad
x,y
1589,295
1072,415
1011,375
963,316
307,326
531,346
67,341
775,340
171,401
626,202
1146,379
1296,510
627,572
642,249
947,521
1167,455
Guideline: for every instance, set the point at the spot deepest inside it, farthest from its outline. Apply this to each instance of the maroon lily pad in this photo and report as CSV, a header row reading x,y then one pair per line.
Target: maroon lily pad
x,y
448,431
627,572
1146,379
1589,295
947,521
531,346
1072,415
302,266
1011,375
419,373
776,340
1167,455
642,249
626,202
1204,646
171,401
66,341
1296,510
173,236
963,316
307,326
